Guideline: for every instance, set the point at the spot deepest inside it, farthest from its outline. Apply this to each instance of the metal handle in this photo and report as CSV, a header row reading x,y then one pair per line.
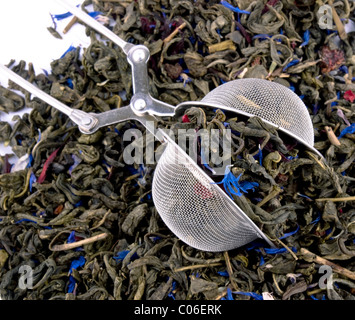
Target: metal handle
x,y
143,107
137,56
84,120
123,114
125,46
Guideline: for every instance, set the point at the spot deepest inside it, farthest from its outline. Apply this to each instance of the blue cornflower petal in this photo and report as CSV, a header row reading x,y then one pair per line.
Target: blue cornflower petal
x,y
232,186
344,69
290,64
223,273
77,263
70,83
39,135
304,196
77,161
246,185
94,14
347,130
61,16
71,48
259,156
314,298
30,160
276,251
173,288
229,294
316,220
235,9
65,15
192,40
71,285
71,237
305,38
78,204
25,220
290,233
33,179
334,103
163,13
231,183
120,255
262,261
74,265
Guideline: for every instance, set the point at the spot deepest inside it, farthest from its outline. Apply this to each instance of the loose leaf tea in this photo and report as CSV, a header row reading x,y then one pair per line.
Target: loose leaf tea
x,y
83,221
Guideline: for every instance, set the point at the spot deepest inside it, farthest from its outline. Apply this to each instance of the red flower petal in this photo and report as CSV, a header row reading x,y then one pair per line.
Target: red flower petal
x,y
46,165
185,118
349,95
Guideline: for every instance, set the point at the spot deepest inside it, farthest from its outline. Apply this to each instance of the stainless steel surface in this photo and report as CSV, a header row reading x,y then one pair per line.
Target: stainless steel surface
x,y
271,101
198,211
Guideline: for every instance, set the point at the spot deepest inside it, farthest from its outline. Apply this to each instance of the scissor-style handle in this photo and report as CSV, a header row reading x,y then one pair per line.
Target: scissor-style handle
x,y
137,56
123,114
88,123
143,106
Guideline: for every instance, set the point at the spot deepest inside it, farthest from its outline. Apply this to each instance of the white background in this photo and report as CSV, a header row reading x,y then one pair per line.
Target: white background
x,y
24,36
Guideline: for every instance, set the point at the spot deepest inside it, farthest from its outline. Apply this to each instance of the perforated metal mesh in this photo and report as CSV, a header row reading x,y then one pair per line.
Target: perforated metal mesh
x,y
196,210
268,100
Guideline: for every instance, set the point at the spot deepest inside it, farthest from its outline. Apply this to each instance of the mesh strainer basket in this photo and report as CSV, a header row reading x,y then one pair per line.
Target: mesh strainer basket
x,y
271,101
195,209
198,211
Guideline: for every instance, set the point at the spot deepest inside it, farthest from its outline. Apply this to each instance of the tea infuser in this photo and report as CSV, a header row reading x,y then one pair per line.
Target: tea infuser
x,y
194,208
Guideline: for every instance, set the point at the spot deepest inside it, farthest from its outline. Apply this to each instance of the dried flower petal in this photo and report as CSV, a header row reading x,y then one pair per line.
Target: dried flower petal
x,y
331,59
349,95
